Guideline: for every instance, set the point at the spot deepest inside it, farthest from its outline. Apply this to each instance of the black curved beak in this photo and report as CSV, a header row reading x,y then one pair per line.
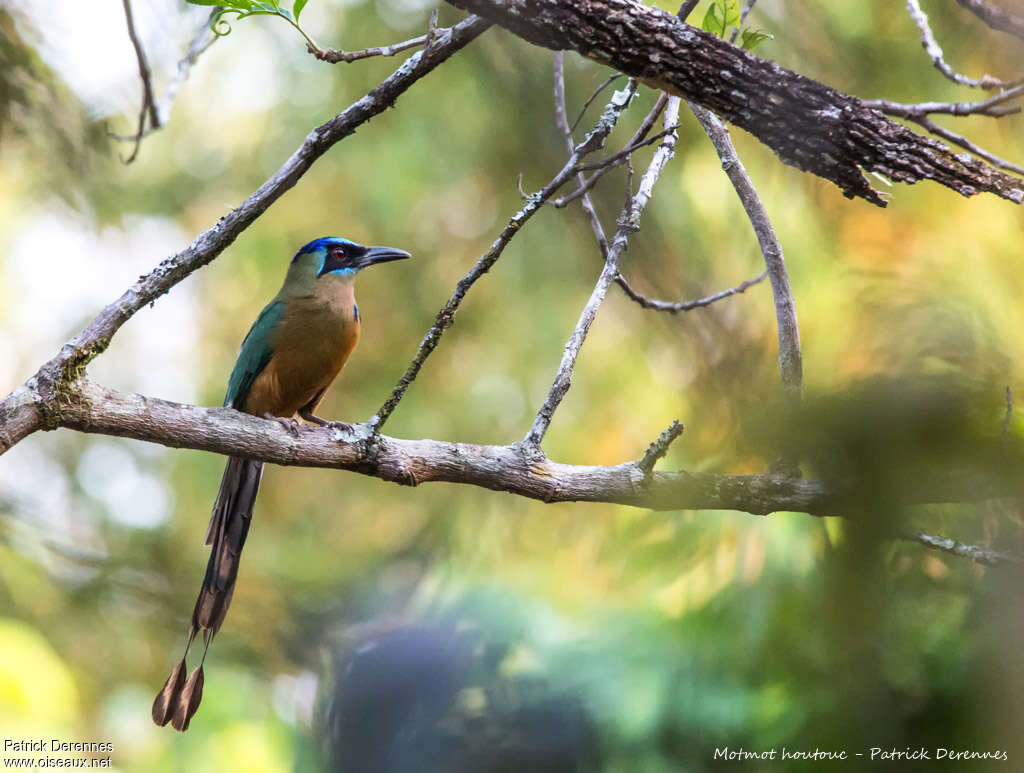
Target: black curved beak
x,y
381,255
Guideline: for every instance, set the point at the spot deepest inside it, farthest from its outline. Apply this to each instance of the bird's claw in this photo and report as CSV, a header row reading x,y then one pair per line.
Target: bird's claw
x,y
291,425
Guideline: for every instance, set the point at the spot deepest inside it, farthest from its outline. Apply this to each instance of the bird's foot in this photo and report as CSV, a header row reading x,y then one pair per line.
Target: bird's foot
x,y
290,424
312,418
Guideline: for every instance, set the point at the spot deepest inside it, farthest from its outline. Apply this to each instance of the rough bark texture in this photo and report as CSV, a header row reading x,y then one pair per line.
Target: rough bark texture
x,y
808,124
515,468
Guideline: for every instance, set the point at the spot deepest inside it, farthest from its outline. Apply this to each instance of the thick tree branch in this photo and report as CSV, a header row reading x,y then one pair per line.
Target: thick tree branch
x,y
808,124
46,387
511,468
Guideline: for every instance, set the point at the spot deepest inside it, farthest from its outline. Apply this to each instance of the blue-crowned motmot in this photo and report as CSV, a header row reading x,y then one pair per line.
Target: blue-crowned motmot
x,y
292,353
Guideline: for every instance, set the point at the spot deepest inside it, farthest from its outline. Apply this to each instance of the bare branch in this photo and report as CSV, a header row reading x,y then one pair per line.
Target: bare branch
x,y
966,144
686,9
743,17
993,106
592,142
808,124
931,45
586,184
790,358
334,56
657,450
995,17
148,102
674,307
45,387
562,122
614,161
597,92
628,223
975,553
512,468
202,40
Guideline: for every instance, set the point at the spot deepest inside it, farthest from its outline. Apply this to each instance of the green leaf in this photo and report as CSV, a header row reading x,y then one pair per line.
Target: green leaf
x,y
733,17
299,5
720,16
749,39
713,21
206,2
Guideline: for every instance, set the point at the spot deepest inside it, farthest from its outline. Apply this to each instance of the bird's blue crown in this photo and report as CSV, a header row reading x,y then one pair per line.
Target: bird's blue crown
x,y
322,244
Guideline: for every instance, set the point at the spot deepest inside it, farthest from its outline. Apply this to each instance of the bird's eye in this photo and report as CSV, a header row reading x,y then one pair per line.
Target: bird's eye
x,y
338,252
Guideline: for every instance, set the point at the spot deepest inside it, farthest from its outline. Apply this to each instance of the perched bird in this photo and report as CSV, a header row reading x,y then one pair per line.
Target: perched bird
x,y
292,353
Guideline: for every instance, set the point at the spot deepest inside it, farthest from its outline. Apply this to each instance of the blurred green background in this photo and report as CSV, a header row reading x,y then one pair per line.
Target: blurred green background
x,y
674,633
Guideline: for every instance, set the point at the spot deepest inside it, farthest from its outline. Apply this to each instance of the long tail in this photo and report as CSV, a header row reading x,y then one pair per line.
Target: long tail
x,y
229,525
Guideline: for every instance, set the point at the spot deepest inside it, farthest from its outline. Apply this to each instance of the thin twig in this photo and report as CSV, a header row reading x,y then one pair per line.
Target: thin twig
x,y
606,165
995,17
686,9
790,358
674,307
627,224
597,92
743,17
148,103
334,56
623,155
657,450
931,45
975,553
586,184
993,106
592,142
966,144
562,121
202,40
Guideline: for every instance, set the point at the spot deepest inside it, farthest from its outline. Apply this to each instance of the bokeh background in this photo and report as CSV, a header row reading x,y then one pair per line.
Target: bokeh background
x,y
641,640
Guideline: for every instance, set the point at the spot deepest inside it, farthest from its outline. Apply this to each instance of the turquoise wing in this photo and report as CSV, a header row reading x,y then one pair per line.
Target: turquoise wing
x,y
257,349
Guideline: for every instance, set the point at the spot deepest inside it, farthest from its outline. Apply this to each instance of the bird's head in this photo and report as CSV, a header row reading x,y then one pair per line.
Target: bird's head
x,y
332,255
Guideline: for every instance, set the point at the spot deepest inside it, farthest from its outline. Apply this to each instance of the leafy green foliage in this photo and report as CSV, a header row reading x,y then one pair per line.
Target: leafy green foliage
x,y
724,15
244,8
750,39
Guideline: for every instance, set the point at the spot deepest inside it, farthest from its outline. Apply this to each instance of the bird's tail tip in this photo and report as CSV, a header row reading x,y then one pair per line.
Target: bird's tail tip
x,y
179,699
